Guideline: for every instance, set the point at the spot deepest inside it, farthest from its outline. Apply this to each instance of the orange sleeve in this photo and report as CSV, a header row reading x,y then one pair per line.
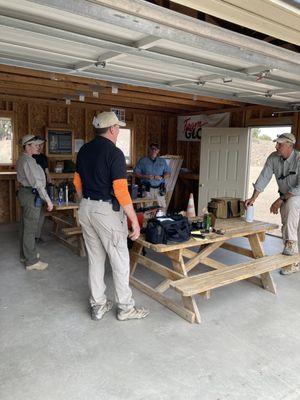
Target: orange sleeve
x,y
77,182
120,187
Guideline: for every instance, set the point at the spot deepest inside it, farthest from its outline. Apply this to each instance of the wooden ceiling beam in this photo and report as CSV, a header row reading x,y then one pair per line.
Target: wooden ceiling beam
x,y
59,78
21,82
97,107
38,97
53,93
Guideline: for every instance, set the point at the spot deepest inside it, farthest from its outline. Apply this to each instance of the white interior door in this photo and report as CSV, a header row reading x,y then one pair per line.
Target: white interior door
x,y
224,164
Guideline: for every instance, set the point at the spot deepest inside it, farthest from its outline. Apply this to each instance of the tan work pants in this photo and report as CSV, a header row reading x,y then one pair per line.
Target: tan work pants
x,y
161,200
28,226
105,234
290,218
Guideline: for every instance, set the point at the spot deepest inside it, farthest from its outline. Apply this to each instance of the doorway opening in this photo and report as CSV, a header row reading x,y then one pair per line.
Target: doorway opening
x,y
262,146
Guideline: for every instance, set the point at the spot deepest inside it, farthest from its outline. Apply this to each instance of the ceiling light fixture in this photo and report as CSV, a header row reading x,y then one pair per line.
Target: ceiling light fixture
x,y
53,77
263,74
100,64
227,80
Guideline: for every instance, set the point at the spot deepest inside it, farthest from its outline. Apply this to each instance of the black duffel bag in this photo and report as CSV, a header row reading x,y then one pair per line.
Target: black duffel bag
x,y
164,230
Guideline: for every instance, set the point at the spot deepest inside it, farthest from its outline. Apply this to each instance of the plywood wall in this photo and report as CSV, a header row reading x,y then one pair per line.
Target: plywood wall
x,y
34,116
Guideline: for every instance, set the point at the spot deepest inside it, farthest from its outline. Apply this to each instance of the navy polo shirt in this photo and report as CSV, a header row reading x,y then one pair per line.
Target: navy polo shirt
x,y
42,160
99,163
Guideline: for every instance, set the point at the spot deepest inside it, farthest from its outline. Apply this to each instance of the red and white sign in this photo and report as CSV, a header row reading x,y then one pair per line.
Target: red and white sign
x,y
190,128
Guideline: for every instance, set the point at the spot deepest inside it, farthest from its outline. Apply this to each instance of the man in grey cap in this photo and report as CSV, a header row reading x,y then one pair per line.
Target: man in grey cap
x,y
101,183
284,163
31,195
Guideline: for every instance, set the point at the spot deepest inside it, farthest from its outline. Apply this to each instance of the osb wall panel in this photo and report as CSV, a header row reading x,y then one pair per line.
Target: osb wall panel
x,y
37,118
237,119
140,136
194,156
154,129
4,201
22,116
169,141
58,116
77,122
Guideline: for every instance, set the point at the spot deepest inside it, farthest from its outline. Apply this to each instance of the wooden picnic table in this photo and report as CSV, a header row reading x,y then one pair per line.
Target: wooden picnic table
x,y
193,253
67,228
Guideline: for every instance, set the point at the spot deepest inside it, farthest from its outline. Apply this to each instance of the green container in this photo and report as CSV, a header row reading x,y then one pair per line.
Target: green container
x,y
207,221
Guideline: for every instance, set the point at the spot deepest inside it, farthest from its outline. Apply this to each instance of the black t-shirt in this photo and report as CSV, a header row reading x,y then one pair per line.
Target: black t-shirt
x,y
42,160
99,163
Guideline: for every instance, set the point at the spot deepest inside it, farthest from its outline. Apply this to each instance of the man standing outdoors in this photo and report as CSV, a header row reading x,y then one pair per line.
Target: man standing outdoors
x,y
152,171
285,165
101,183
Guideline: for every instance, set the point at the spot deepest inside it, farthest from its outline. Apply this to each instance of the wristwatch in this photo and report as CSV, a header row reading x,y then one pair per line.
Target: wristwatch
x,y
282,198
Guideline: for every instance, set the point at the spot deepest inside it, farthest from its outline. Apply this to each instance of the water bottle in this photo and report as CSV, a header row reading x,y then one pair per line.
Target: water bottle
x,y
50,190
207,222
250,213
67,194
60,196
159,213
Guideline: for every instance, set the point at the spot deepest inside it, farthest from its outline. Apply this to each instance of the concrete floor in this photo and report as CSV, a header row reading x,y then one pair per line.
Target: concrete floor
x,y
247,347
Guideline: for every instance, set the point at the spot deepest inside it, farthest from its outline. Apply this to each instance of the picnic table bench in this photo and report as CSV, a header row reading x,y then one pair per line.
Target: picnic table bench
x,y
186,256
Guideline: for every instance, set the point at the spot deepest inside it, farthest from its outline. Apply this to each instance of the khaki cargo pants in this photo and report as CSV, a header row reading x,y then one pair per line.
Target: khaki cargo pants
x,y
105,234
290,218
161,200
30,215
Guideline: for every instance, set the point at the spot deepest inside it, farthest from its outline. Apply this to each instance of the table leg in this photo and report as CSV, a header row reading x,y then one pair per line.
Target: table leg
x,y
190,304
81,245
179,266
257,249
136,248
177,261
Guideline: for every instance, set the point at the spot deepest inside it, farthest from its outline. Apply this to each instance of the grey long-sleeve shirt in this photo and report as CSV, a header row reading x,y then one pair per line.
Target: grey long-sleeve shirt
x,y
29,173
287,173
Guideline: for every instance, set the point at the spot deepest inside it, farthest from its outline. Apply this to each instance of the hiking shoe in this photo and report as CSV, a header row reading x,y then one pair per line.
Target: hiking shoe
x,y
40,265
133,313
290,269
23,259
289,248
98,311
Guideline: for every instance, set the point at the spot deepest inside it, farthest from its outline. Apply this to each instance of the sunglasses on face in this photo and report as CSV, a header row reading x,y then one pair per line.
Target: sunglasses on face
x,y
154,148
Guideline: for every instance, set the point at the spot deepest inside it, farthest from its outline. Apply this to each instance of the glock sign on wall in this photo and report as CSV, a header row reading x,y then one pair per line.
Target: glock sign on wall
x,y
189,128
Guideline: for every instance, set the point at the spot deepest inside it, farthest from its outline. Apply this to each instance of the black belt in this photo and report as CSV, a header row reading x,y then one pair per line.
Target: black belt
x,y
95,198
154,187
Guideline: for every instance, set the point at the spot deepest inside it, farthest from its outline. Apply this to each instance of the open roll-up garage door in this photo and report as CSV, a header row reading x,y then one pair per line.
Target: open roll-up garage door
x,y
141,44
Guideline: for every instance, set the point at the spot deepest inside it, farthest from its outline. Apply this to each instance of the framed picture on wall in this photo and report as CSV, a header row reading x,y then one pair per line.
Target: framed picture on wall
x,y
120,113
60,143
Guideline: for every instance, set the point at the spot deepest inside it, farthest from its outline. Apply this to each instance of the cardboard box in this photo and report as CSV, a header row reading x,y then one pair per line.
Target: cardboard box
x,y
226,207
